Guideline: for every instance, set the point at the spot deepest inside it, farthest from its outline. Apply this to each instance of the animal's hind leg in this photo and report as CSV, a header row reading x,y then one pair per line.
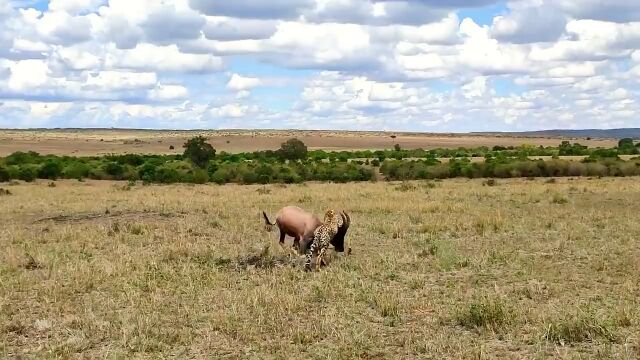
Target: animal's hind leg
x,y
281,241
295,248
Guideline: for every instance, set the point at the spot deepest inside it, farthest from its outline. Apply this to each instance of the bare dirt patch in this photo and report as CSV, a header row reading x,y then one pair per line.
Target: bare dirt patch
x,y
92,217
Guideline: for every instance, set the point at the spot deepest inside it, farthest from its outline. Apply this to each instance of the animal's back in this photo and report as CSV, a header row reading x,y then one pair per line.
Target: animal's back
x,y
298,218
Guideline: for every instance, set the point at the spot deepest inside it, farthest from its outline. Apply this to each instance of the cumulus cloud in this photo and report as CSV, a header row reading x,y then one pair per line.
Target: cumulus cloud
x,y
74,6
229,29
148,57
240,83
254,9
167,23
168,92
360,64
530,21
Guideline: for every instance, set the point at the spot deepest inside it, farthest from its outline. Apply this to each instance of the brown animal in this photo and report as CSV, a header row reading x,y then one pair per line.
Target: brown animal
x,y
300,224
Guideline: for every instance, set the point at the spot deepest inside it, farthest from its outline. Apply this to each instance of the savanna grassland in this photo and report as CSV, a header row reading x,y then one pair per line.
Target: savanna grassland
x,y
90,142
452,269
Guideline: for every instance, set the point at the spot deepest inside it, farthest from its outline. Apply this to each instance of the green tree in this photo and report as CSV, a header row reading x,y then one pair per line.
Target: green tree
x,y
4,174
199,151
27,173
51,169
114,169
293,149
625,142
627,147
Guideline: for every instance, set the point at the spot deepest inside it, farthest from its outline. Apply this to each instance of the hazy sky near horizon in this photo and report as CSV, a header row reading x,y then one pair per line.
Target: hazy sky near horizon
x,y
419,65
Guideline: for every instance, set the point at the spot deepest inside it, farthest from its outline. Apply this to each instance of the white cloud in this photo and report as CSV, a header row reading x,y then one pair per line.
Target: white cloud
x,y
116,80
529,21
239,83
402,64
148,57
169,92
27,74
74,6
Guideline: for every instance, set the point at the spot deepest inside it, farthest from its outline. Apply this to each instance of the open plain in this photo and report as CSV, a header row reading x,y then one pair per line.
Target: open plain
x,y
453,269
100,142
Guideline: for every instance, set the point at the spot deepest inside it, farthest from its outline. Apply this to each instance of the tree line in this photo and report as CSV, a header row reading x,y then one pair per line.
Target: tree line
x,y
294,163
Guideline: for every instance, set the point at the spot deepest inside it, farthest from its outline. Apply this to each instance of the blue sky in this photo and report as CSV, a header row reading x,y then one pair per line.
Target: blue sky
x,y
418,65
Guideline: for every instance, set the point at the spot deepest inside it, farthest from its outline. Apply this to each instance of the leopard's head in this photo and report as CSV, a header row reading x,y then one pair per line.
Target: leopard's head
x,y
329,216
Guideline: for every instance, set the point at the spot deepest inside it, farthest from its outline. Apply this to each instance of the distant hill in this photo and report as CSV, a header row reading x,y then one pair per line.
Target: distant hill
x,y
633,133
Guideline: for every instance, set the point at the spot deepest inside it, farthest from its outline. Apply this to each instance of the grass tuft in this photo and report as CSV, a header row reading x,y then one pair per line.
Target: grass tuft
x,y
585,326
485,313
558,198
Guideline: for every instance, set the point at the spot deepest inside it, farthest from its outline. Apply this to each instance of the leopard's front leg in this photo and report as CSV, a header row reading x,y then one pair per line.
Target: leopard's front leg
x,y
312,250
320,258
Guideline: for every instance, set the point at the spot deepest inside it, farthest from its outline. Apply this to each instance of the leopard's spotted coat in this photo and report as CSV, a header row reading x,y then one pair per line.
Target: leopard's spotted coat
x,y
322,237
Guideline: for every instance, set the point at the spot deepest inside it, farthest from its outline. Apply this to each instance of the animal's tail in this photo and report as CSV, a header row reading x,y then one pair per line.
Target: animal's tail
x,y
268,225
266,219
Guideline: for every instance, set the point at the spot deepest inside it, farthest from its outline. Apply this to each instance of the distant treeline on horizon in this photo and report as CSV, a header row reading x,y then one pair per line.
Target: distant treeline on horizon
x,y
294,163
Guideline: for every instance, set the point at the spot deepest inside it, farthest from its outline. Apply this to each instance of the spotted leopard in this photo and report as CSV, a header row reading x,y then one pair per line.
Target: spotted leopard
x,y
322,238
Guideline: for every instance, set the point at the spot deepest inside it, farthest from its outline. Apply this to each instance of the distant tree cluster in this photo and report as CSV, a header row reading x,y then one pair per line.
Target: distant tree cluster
x,y
293,162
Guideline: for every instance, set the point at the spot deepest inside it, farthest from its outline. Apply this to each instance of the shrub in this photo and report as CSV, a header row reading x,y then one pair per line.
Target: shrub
x,y
27,173
576,169
20,158
4,174
595,169
76,170
200,176
114,169
167,175
51,169
147,172
199,151
625,142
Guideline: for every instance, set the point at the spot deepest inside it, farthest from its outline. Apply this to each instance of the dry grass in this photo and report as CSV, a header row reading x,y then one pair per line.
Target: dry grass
x,y
451,269
96,142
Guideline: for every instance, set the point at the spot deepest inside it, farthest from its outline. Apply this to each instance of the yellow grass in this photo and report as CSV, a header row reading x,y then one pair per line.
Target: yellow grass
x,y
98,142
456,270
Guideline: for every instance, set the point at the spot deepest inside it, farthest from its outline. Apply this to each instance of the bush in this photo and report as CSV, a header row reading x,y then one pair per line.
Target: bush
x,y
114,169
27,173
76,170
4,174
147,172
51,169
200,176
167,175
20,158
